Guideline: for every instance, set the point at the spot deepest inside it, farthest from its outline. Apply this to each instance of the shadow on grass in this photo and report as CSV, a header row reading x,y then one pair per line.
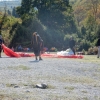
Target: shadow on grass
x,y
34,61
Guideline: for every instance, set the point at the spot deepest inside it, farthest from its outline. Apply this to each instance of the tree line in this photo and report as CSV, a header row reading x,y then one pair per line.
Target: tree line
x,y
55,21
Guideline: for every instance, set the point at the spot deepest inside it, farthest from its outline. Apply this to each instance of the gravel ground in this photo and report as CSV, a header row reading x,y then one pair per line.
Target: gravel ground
x,y
67,79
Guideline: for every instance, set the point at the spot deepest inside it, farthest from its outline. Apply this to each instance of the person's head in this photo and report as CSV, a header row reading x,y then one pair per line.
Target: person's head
x,y
35,37
35,33
71,38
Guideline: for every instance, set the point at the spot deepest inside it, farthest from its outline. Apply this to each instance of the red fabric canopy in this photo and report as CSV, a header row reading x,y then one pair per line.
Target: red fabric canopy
x,y
9,52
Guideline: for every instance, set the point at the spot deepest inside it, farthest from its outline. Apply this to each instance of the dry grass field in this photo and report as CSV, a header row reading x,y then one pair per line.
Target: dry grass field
x,y
66,79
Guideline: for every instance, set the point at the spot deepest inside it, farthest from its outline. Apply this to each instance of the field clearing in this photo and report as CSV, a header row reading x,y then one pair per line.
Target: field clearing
x,y
90,58
66,78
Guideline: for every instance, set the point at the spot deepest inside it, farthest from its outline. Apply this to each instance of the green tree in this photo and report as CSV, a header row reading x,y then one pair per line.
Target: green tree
x,y
83,30
54,19
25,9
2,22
14,12
56,14
90,28
9,12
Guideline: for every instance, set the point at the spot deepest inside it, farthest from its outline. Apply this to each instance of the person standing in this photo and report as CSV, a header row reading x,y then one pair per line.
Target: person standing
x,y
1,42
72,44
98,45
36,43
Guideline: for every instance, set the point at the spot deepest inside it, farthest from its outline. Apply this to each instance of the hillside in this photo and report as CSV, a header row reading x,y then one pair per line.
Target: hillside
x,y
9,4
83,9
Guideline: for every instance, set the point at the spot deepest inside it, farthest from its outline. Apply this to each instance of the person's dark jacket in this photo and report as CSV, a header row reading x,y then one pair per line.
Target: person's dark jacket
x,y
98,42
71,43
1,42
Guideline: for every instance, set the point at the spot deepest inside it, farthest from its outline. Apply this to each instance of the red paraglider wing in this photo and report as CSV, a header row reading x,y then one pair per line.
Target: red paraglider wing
x,y
9,52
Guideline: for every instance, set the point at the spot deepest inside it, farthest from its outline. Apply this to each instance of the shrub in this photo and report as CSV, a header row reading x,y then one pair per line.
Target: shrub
x,y
92,51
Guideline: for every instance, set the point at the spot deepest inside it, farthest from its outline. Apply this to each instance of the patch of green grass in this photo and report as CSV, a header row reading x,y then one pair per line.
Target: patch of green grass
x,y
85,98
84,91
30,85
70,96
98,69
51,87
20,67
73,79
90,58
10,85
97,97
70,88
79,79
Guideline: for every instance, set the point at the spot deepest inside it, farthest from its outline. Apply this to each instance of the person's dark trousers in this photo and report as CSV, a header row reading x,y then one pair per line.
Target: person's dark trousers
x,y
73,50
0,51
0,54
40,58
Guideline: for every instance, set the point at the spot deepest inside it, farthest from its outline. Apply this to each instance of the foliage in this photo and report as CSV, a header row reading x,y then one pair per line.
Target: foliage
x,y
92,50
14,13
26,8
58,15
7,23
52,20
87,18
55,21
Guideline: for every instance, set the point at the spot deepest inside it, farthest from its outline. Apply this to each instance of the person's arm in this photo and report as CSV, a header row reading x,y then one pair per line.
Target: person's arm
x,y
40,40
